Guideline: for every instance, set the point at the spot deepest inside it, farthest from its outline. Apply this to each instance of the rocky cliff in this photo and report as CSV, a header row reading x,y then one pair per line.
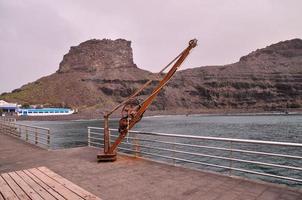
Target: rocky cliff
x,y
97,74
266,79
98,55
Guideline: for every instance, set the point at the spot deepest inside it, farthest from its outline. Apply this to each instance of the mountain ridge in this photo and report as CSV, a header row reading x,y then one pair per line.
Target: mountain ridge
x,y
97,74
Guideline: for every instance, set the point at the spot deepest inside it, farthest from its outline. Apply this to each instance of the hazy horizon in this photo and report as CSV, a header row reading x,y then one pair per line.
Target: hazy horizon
x,y
36,34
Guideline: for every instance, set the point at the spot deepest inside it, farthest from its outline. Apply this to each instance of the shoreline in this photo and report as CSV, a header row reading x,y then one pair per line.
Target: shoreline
x,y
95,116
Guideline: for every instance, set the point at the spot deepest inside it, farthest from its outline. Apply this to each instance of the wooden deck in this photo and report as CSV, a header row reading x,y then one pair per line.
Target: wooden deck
x,y
38,184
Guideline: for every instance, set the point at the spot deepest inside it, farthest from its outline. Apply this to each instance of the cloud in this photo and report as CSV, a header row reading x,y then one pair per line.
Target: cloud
x,y
33,39
34,35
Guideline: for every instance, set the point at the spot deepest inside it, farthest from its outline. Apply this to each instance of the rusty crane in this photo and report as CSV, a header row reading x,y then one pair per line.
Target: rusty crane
x,y
133,110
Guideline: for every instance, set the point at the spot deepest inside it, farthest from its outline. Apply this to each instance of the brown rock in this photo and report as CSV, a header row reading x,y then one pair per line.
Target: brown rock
x,y
97,55
97,74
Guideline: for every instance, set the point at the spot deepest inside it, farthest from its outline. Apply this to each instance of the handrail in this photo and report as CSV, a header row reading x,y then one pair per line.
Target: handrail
x,y
172,147
30,126
218,166
7,119
215,148
211,138
36,135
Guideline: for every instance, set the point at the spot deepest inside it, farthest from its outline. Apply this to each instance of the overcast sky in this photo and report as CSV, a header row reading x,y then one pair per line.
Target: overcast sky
x,y
35,34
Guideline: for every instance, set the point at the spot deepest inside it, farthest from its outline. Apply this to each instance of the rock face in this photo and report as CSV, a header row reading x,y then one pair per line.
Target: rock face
x,y
266,79
98,74
97,55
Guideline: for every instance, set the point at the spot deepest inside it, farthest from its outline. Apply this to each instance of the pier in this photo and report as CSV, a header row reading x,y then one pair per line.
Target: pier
x,y
134,178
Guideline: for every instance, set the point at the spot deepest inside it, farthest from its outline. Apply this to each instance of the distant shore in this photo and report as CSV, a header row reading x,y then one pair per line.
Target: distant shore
x,y
98,116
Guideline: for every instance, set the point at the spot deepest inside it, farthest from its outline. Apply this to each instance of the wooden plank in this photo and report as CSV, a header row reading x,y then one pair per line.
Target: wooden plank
x,y
68,184
6,191
67,194
15,187
42,184
26,188
41,191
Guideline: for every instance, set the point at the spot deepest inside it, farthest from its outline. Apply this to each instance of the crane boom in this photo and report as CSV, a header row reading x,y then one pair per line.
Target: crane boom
x,y
134,112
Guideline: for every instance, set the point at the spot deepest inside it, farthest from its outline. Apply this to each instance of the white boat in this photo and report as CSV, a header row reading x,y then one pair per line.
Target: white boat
x,y
44,111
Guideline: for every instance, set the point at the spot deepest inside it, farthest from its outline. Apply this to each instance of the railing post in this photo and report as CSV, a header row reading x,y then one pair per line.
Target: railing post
x,y
10,128
1,126
231,156
136,145
15,129
19,131
174,161
26,134
36,136
89,134
6,130
48,138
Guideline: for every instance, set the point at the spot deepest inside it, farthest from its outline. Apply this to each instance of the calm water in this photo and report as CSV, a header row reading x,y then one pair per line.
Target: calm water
x,y
282,128
285,128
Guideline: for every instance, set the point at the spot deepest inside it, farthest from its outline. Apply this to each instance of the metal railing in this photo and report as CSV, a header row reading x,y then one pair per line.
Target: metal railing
x,y
7,119
268,160
32,134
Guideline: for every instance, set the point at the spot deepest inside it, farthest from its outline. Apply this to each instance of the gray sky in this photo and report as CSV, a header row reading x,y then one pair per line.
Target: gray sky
x,y
35,34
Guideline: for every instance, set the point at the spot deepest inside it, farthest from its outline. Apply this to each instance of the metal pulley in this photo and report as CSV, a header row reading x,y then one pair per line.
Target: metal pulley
x,y
127,114
193,43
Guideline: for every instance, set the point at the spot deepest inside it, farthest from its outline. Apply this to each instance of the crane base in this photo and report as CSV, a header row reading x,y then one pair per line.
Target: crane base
x,y
106,157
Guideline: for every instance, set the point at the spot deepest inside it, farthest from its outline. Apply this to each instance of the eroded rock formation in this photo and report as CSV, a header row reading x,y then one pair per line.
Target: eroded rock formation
x,y
97,74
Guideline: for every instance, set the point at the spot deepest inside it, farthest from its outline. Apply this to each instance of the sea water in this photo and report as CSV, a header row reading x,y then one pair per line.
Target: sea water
x,y
283,128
